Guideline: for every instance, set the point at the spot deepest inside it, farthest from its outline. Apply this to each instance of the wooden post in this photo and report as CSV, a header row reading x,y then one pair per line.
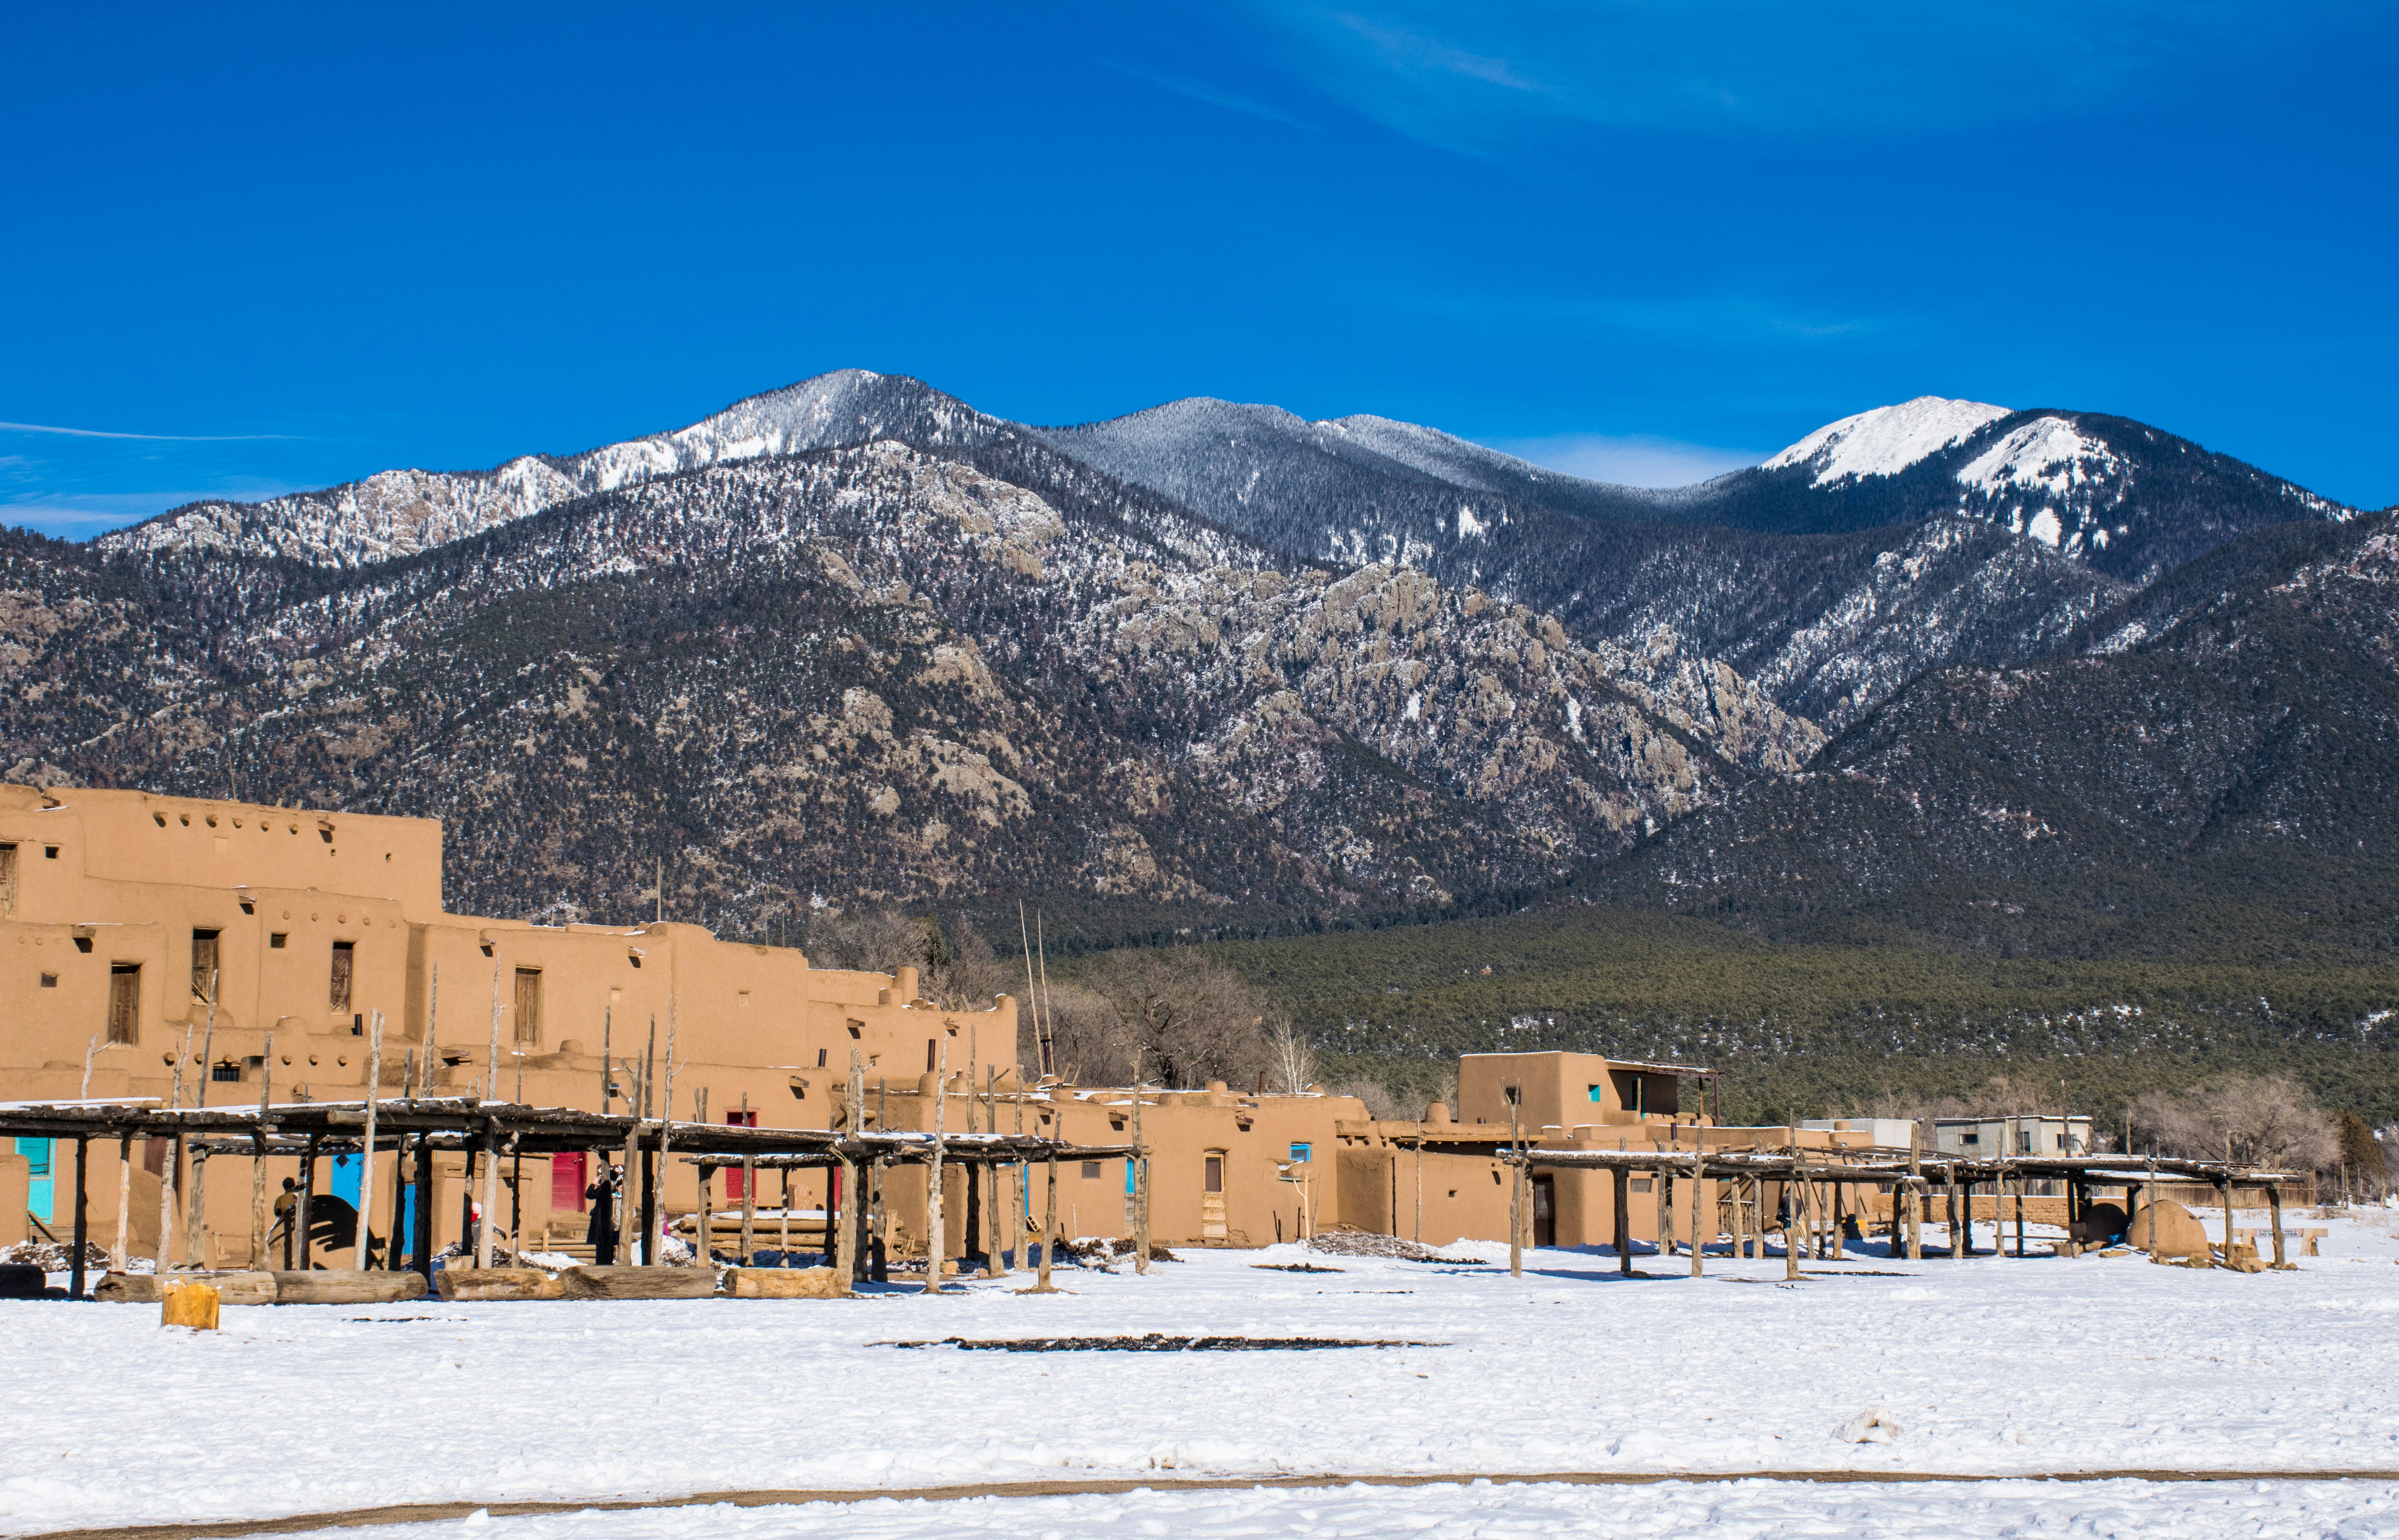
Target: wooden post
x,y
259,1223
1515,1186
749,1209
783,1237
421,1243
852,1271
1020,1197
1915,1190
1698,1232
657,1204
118,1257
627,1205
703,1223
936,1242
1050,1224
1793,1201
2273,1209
996,1248
300,1216
1141,1173
195,1212
491,1190
1837,1195
1623,1195
880,1205
2224,1192
83,1220
367,1145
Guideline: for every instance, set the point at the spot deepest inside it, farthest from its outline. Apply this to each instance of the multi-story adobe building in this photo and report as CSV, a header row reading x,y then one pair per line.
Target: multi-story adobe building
x,y
253,949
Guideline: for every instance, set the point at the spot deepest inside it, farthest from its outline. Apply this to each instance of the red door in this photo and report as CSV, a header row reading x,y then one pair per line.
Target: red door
x,y
733,1174
566,1181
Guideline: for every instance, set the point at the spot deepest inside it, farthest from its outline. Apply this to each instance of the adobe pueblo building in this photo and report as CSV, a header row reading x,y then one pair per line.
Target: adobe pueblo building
x,y
207,952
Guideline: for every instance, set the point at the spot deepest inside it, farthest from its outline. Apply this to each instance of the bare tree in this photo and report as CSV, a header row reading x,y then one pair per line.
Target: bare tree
x,y
2262,1121
1291,1062
1187,1017
1380,1103
1093,1048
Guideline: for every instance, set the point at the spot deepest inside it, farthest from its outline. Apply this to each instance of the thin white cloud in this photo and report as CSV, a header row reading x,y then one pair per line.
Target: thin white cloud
x,y
1629,460
1202,91
147,437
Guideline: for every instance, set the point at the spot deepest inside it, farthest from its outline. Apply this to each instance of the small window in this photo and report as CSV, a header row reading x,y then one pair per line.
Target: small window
x,y
8,877
124,1002
249,908
50,853
325,833
1299,1152
857,1029
277,938
1212,1178
1514,1094
1641,1185
1091,1171
49,980
1973,1139
932,1046
225,1073
820,1056
83,944
345,958
634,958
1595,1094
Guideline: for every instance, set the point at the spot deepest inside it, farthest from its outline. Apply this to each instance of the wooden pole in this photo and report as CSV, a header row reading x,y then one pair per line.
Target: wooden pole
x,y
172,1166
1915,1190
652,1254
367,1147
2149,1203
936,1242
853,1232
432,1036
608,1063
703,1229
750,1208
1792,1203
195,1203
1515,1186
491,1191
666,1128
300,1215
996,1248
421,1243
83,1220
121,1255
1698,1234
784,1216
1050,1224
259,1223
628,1207
1141,1174
1623,1205
2273,1209
1020,1197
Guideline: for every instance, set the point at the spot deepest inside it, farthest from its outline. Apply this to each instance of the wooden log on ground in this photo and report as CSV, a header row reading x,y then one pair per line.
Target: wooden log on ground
x,y
785,1283
342,1286
233,1288
497,1283
639,1283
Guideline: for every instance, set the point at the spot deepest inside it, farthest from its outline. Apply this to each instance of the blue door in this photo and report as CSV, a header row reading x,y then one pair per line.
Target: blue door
x,y
38,1198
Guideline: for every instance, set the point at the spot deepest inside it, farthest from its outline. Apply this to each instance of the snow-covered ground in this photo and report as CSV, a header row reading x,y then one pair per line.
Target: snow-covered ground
x,y
1989,1366
1751,1510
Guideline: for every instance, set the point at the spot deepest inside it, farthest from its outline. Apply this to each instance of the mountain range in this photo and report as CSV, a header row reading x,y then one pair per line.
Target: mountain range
x,y
2009,679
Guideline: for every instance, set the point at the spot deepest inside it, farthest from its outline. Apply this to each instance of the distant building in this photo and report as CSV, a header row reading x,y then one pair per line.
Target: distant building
x,y
2028,1134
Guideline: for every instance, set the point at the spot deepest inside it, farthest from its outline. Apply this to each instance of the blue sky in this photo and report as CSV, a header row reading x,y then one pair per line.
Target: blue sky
x,y
275,247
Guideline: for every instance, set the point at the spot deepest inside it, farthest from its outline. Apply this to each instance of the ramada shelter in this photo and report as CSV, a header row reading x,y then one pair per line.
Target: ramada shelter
x,y
124,915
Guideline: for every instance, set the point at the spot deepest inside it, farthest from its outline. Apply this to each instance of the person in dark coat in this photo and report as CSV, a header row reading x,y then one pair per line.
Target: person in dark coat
x,y
601,1195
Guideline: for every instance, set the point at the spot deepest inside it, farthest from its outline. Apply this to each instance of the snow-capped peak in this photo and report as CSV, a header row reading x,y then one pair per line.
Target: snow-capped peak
x,y
1888,440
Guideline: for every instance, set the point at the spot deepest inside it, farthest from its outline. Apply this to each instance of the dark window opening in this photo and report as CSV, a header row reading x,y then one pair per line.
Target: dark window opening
x,y
820,1056
932,1046
1973,1139
345,959
7,876
634,957
224,1073
49,980
1213,1175
249,908
1516,1094
83,944
277,938
124,1002
50,853
856,1028
1091,1171
325,833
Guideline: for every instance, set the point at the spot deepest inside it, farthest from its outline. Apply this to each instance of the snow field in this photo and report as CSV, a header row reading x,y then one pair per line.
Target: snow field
x,y
1990,1366
1750,1510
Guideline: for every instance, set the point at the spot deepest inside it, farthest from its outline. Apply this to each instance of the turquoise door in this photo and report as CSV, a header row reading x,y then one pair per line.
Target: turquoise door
x,y
39,1197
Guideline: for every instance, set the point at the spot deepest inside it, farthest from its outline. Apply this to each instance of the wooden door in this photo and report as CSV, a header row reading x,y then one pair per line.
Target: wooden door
x,y
1212,1197
1545,1210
